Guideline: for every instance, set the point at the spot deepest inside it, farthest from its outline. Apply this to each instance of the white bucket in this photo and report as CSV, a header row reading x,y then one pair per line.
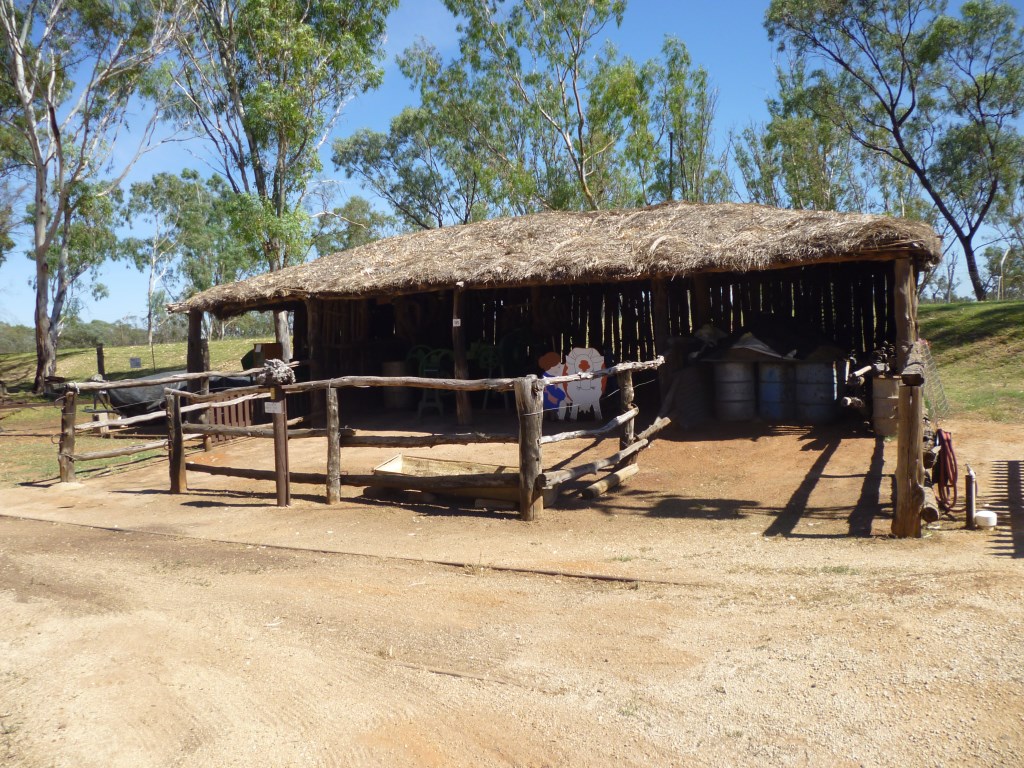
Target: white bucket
x,y
985,518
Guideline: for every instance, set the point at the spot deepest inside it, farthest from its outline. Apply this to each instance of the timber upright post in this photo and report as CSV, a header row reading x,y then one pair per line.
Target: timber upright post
x,y
627,431
463,408
530,409
66,449
197,360
101,366
333,447
175,443
315,352
909,501
278,406
659,303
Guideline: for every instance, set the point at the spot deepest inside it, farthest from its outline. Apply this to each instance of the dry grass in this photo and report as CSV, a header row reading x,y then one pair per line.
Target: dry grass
x,y
667,240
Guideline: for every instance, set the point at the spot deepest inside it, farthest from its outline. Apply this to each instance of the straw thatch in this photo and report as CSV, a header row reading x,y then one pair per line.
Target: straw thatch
x,y
667,240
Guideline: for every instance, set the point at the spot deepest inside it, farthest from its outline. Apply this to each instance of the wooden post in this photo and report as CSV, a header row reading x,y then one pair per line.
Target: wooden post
x,y
66,448
627,430
659,302
463,408
278,406
194,359
101,366
175,444
204,415
909,502
971,497
701,304
316,350
529,407
906,312
333,448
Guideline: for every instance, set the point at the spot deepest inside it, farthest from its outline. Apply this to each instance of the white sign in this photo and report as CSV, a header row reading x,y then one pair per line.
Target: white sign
x,y
456,322
273,407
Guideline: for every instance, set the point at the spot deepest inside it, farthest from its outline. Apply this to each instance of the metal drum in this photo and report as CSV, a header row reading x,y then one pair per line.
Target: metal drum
x,y
396,398
735,391
884,405
776,394
816,393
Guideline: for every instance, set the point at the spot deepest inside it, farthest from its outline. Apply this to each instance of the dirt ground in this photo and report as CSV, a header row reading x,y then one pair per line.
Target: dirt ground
x,y
759,615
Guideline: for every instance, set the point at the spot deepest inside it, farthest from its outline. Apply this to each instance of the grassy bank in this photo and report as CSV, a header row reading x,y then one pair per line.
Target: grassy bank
x,y
79,364
27,449
979,348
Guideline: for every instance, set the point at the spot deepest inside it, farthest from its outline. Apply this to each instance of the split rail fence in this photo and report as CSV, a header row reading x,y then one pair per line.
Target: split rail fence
x,y
531,480
234,411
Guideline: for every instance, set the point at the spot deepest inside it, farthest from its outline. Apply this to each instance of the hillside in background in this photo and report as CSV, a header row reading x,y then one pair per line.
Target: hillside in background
x,y
979,349
79,364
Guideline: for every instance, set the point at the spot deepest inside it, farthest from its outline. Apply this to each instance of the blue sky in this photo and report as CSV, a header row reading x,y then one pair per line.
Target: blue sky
x,y
727,38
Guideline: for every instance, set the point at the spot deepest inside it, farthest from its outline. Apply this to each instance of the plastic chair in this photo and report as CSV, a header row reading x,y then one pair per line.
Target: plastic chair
x,y
487,359
435,365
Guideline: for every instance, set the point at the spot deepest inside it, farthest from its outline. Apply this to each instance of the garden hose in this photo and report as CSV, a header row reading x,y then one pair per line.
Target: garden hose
x,y
945,474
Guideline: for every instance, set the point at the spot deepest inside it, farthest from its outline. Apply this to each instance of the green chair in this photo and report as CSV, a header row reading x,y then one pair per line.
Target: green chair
x,y
435,364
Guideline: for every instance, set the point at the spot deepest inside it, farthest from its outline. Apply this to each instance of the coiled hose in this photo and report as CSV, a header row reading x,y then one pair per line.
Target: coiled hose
x,y
944,476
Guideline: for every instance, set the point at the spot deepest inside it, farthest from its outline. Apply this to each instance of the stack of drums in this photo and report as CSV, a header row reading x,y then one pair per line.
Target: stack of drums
x,y
783,392
816,393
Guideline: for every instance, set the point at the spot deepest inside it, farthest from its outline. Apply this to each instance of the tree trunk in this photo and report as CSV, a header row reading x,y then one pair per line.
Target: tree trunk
x,y
149,298
972,270
283,334
46,354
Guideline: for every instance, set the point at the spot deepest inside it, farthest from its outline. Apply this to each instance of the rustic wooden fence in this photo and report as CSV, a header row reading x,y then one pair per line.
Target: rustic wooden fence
x,y
531,480
233,413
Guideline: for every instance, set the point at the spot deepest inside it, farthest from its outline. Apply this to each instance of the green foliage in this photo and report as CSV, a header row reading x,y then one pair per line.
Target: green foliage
x,y
353,224
264,82
1007,264
534,114
797,160
938,95
419,167
58,134
16,338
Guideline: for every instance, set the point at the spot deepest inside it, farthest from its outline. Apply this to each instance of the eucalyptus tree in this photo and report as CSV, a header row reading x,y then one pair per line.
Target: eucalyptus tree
x,y
170,207
796,159
664,109
86,239
939,95
71,71
538,111
350,225
264,82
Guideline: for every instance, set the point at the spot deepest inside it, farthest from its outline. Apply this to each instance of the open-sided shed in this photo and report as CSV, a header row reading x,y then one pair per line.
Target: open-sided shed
x,y
627,282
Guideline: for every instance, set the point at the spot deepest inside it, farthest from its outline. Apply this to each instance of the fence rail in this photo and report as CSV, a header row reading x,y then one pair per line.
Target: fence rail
x,y
230,414
530,480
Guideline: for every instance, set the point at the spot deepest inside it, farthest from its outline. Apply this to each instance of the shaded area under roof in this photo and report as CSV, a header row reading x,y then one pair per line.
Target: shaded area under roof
x,y
672,239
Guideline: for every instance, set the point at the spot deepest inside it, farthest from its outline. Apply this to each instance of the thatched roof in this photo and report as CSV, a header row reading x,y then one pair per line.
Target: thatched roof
x,y
667,240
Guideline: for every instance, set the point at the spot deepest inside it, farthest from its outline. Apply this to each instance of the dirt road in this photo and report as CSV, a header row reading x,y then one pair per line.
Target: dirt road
x,y
748,628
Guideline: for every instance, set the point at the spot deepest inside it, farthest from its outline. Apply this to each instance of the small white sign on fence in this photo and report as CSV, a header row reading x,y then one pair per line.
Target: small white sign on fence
x,y
272,407
135,362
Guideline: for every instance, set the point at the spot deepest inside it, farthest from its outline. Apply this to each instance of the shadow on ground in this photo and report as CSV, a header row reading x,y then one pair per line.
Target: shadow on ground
x,y
1006,498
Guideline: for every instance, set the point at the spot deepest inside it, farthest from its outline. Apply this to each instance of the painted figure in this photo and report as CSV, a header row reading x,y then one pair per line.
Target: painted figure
x,y
555,396
585,395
